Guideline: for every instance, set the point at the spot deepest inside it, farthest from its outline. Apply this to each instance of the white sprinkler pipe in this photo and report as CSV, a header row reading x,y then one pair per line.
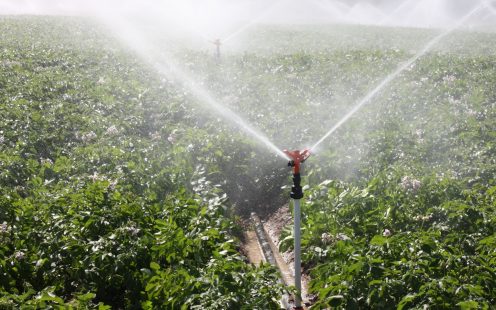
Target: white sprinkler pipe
x,y
297,252
297,157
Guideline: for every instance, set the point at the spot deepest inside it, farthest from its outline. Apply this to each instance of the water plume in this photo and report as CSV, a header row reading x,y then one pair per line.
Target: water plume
x,y
402,67
253,21
489,5
163,63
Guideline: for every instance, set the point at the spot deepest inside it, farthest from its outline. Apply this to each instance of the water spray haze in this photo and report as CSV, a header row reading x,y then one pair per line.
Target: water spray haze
x,y
225,19
401,68
164,65
266,11
207,20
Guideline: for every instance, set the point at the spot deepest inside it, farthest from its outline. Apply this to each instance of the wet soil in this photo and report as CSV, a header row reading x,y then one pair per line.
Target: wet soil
x,y
251,248
273,225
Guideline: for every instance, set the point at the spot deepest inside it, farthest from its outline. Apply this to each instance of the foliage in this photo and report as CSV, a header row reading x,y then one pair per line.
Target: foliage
x,y
116,189
393,244
104,196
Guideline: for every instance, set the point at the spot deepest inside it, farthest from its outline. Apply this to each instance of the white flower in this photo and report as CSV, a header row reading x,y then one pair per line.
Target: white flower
x,y
343,237
416,185
449,78
410,184
87,137
326,238
19,255
95,177
171,138
423,218
2,139
112,130
155,135
419,133
46,161
405,182
113,184
4,228
133,230
386,233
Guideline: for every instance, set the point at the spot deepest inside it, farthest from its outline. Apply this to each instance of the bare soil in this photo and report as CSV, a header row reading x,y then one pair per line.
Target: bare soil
x,y
273,225
251,248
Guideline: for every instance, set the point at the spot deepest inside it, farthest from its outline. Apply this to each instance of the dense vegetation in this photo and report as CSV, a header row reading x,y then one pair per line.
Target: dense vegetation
x,y
401,242
100,204
414,225
117,189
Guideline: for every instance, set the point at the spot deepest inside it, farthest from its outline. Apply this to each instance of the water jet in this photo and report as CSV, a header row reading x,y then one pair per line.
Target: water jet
x,y
392,76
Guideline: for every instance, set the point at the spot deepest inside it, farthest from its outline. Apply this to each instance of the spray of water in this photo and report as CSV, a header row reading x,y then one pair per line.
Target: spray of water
x,y
387,19
163,63
253,21
489,6
402,67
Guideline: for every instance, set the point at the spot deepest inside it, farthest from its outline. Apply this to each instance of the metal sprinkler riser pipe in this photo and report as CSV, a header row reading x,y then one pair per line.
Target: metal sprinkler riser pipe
x,y
296,159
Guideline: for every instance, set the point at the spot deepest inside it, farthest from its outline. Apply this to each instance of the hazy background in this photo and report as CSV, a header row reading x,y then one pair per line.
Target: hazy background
x,y
215,16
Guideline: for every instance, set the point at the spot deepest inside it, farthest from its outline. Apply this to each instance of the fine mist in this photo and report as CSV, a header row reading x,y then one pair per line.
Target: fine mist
x,y
222,18
161,33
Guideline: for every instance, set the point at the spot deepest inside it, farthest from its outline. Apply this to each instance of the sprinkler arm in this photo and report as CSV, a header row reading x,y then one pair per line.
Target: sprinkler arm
x,y
296,159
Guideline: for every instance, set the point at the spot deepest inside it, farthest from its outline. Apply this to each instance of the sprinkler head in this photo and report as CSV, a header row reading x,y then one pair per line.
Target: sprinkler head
x,y
296,158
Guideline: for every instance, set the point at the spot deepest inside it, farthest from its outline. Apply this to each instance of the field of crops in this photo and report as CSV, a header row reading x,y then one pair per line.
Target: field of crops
x,y
118,190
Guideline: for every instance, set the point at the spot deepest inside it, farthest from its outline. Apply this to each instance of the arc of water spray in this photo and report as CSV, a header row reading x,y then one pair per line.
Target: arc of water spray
x,y
400,8
243,28
164,66
402,67
324,5
488,5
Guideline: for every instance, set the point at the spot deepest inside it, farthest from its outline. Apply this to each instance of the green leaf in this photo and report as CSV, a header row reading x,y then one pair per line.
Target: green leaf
x,y
86,297
154,266
102,306
378,240
335,300
405,301
468,305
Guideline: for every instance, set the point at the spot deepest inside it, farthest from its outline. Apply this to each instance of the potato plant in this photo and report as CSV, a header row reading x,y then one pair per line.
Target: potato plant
x,y
106,194
118,190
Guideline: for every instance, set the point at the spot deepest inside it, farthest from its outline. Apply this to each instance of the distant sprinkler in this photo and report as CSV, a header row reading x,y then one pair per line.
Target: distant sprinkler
x,y
217,44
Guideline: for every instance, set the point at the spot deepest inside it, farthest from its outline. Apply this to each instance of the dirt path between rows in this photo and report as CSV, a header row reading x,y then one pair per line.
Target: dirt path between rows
x,y
273,226
251,248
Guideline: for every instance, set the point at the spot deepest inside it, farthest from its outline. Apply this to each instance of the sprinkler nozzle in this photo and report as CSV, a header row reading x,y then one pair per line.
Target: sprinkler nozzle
x,y
297,157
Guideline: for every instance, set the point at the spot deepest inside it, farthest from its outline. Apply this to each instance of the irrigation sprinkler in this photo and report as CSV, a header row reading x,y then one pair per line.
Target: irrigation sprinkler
x,y
296,158
392,76
217,44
